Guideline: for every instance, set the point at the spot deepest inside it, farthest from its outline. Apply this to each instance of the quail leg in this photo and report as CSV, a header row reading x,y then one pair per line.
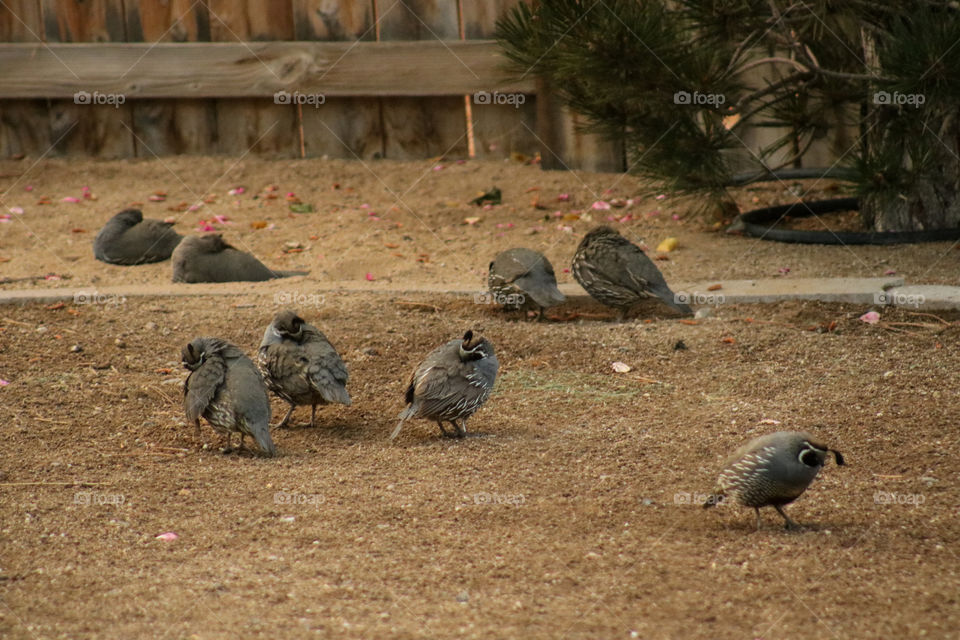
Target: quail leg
x,y
197,424
757,509
313,416
788,524
461,428
228,436
621,315
242,437
286,418
446,433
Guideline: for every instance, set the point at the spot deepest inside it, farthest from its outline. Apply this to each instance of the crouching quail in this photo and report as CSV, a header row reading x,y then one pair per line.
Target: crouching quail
x,y
618,273
301,366
225,387
451,383
209,258
128,239
523,279
772,470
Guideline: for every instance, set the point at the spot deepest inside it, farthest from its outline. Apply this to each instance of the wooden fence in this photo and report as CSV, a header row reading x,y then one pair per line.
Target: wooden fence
x,y
284,78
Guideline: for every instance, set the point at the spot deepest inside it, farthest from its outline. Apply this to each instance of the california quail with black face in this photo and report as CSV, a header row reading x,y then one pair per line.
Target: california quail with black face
x,y
128,239
618,273
451,383
209,258
225,387
523,279
772,470
301,366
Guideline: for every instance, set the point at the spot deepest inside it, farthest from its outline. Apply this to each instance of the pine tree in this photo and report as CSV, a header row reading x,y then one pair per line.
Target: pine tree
x,y
679,81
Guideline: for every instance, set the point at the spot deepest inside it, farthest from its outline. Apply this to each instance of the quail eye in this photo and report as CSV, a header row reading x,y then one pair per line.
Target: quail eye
x,y
810,458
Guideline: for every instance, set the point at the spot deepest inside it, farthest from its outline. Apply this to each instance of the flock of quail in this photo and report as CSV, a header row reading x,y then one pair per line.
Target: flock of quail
x,y
298,363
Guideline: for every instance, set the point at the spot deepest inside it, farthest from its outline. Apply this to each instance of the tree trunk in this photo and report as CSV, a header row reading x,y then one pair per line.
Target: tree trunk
x,y
932,199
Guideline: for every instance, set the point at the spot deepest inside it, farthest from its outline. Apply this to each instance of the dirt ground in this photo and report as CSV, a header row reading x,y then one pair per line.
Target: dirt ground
x,y
404,223
573,515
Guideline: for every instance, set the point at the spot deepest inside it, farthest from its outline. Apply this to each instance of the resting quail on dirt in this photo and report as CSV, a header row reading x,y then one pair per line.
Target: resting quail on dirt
x,y
523,279
128,239
618,273
301,366
772,470
224,387
451,383
209,258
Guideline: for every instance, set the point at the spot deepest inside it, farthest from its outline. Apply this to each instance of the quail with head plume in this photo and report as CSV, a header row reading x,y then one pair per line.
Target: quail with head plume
x,y
209,258
523,279
772,470
451,383
301,366
128,239
618,273
225,387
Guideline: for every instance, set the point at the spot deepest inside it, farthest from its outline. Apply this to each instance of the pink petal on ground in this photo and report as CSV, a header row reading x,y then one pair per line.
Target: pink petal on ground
x,y
221,219
170,219
626,218
70,199
29,187
365,206
4,217
195,207
369,276
563,197
612,218
870,317
607,192
85,189
169,536
487,207
205,227
52,276
373,217
660,197
291,194
675,216
17,210
784,270
888,272
566,270
236,191
439,167
601,205
653,214
461,161
3,382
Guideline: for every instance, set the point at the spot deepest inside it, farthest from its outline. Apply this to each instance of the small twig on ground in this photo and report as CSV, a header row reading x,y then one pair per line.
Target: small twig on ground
x,y
418,305
929,315
30,278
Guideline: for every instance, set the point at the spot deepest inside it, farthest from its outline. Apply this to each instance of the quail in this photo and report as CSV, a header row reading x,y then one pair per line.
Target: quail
x,y
128,239
618,273
772,470
300,365
224,387
208,258
523,279
451,383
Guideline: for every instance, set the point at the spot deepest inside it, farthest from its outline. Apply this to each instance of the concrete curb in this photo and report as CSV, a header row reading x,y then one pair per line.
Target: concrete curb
x,y
868,291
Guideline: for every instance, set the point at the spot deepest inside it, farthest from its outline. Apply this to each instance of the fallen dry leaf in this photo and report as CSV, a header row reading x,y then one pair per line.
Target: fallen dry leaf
x,y
715,287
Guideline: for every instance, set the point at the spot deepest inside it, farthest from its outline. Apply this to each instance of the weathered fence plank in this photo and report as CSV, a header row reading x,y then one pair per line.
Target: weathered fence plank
x,y
24,124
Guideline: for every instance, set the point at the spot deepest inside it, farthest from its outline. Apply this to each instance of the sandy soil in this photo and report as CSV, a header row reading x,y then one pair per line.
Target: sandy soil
x,y
574,516
403,223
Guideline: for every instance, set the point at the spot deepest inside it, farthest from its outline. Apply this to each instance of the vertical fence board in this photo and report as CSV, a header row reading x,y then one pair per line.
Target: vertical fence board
x,y
24,124
254,125
422,127
340,127
168,127
101,130
498,129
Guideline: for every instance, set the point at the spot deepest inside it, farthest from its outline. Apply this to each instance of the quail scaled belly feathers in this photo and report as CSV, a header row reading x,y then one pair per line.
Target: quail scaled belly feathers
x,y
618,273
128,239
772,470
523,279
225,387
301,366
451,383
